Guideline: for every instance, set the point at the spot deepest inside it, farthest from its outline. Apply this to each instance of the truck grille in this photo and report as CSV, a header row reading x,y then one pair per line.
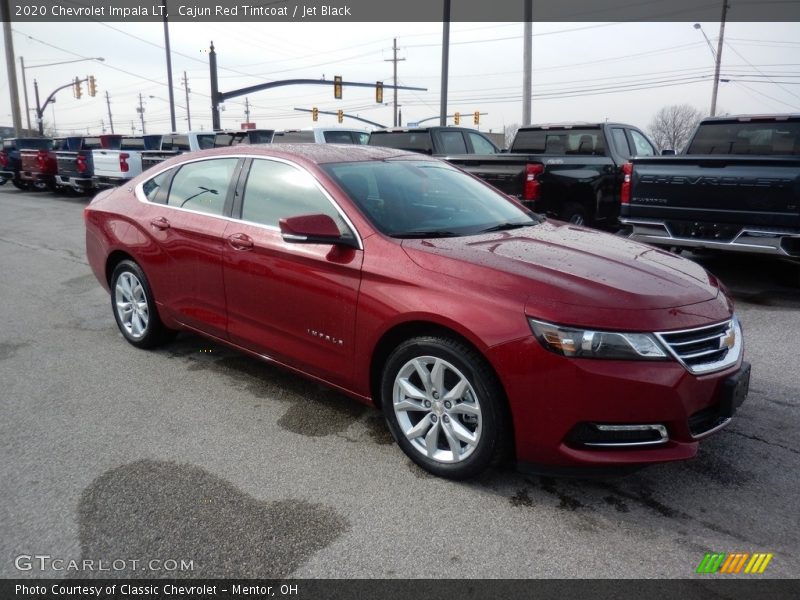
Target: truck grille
x,y
706,349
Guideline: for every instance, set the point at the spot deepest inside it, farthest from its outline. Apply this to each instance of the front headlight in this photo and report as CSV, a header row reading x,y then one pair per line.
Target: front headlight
x,y
585,343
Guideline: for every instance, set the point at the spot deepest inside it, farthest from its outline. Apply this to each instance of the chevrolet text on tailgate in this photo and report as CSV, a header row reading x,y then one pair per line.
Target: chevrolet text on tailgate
x,y
737,187
483,331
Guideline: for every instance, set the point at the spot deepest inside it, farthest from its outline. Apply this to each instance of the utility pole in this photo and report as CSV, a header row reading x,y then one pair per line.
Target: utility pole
x,y
102,125
394,60
246,109
169,68
108,104
187,90
11,67
140,110
719,57
39,115
445,62
133,129
527,63
25,94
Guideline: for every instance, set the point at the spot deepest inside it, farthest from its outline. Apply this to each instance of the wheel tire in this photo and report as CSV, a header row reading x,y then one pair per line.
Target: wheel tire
x,y
134,307
20,185
465,422
575,213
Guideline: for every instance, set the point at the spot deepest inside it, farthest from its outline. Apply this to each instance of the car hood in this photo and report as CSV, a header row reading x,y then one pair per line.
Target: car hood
x,y
568,264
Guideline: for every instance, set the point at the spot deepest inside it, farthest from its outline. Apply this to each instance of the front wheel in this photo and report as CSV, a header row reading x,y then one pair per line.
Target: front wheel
x,y
445,407
134,307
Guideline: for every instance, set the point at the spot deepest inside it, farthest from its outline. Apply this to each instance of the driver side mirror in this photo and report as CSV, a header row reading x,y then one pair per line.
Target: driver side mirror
x,y
313,229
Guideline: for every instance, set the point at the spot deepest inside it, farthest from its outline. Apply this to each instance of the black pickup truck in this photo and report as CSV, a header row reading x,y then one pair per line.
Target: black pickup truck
x,y
434,141
572,171
736,187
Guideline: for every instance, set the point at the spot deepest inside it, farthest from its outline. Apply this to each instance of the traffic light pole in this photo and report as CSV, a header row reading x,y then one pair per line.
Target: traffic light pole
x,y
50,98
218,97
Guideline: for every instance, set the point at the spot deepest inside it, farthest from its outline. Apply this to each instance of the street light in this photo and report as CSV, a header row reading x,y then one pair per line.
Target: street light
x,y
708,41
186,108
25,83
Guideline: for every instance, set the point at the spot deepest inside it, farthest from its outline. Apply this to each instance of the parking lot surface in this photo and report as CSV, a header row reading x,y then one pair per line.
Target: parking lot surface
x,y
202,459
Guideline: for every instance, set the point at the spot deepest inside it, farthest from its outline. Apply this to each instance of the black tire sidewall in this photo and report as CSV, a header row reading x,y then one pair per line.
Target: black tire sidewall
x,y
472,366
574,208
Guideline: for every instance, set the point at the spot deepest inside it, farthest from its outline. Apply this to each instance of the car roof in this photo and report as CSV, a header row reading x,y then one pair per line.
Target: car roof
x,y
311,153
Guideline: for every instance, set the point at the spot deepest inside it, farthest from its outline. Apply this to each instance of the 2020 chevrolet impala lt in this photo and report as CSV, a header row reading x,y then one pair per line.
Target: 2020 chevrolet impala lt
x,y
480,329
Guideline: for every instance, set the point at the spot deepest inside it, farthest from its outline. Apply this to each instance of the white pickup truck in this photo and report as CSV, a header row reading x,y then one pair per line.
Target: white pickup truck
x,y
114,167
173,144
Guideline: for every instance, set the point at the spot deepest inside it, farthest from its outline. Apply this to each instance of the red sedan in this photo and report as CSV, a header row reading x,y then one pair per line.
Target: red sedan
x,y
483,331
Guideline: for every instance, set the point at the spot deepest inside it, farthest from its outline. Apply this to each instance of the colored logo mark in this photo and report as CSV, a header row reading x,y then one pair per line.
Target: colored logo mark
x,y
736,562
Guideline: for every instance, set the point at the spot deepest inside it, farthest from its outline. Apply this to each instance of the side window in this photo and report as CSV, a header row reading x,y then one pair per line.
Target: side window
x,y
453,142
202,185
153,187
621,141
480,144
275,191
338,137
642,146
361,138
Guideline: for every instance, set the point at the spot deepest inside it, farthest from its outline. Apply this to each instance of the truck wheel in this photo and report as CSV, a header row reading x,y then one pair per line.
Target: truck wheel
x,y
19,185
574,213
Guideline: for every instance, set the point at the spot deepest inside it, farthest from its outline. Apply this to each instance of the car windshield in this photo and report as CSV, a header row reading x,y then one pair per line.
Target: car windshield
x,y
424,199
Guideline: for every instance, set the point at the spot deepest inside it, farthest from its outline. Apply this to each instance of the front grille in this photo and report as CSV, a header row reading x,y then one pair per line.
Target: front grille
x,y
705,349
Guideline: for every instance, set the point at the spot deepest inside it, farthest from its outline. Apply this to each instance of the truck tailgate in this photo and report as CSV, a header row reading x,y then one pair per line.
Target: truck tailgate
x,y
755,190
106,163
506,172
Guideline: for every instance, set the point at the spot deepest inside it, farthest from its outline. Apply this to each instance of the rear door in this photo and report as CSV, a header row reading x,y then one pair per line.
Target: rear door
x,y
186,218
293,302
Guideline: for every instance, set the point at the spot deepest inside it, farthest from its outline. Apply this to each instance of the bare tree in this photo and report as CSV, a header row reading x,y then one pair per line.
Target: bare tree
x,y
672,126
509,131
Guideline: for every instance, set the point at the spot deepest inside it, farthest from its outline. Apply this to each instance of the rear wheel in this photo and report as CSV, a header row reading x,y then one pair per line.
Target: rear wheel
x,y
20,185
135,308
445,407
575,213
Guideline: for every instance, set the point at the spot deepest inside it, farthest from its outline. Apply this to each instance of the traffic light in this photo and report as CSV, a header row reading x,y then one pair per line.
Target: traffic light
x,y
76,88
314,114
337,87
457,118
92,86
379,92
477,117
340,115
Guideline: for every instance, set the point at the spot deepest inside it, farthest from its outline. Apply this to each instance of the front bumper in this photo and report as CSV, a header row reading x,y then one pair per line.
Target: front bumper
x,y
551,397
755,240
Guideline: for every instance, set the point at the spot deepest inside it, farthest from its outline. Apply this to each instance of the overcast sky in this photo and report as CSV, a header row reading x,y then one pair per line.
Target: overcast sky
x,y
581,71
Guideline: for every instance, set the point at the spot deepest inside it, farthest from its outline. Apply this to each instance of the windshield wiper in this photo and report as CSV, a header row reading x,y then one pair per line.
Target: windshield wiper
x,y
506,226
432,233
